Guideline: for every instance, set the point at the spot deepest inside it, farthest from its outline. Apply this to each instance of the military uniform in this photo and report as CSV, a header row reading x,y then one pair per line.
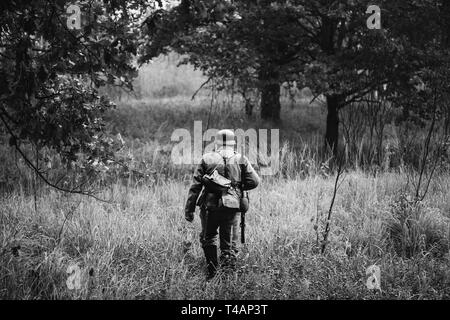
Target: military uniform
x,y
217,220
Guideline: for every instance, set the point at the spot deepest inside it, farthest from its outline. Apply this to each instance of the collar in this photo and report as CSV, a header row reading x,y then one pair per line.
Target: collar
x,y
225,151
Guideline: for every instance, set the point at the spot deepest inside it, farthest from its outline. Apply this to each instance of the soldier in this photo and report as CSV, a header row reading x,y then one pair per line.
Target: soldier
x,y
215,217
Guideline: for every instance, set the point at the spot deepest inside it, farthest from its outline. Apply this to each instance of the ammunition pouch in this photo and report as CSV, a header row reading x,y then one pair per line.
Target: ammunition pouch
x,y
215,182
231,199
244,203
222,192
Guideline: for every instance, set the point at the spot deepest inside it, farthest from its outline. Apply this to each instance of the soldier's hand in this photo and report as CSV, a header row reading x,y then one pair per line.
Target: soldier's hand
x,y
189,216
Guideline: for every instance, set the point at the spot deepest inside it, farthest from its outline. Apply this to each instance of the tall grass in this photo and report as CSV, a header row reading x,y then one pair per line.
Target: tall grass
x,y
140,247
137,247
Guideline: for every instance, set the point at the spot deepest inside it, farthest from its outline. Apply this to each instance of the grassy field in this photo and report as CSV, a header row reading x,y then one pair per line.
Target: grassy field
x,y
140,246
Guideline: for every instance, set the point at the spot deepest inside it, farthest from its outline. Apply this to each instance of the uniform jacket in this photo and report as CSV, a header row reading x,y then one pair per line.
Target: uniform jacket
x,y
198,195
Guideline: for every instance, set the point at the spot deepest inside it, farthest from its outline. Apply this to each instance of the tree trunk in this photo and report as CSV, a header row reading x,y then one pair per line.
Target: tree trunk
x,y
270,94
446,11
248,108
447,121
332,130
270,102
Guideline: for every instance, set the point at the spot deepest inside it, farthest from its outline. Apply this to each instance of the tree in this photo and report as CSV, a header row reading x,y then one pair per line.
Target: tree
x,y
325,45
251,44
50,75
346,60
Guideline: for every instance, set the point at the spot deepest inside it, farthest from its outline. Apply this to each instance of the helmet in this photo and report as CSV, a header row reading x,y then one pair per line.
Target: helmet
x,y
225,137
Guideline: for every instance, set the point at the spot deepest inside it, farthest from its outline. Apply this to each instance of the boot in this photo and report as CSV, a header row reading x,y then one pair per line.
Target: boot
x,y
211,261
228,262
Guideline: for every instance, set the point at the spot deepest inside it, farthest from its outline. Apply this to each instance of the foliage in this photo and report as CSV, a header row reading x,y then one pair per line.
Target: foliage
x,y
415,228
50,76
135,252
320,44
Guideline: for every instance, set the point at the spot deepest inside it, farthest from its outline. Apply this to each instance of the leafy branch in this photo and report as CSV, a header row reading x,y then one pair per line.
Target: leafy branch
x,y
76,190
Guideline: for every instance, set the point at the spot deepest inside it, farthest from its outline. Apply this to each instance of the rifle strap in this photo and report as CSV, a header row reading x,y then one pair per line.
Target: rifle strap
x,y
242,224
242,167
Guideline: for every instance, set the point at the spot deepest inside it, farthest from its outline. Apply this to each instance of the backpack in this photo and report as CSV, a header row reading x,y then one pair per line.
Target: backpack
x,y
229,192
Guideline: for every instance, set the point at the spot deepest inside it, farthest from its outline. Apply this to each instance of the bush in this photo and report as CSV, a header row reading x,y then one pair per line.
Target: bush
x,y
413,228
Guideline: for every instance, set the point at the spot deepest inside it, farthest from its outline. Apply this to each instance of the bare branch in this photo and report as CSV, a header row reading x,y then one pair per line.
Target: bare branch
x,y
201,87
336,187
39,173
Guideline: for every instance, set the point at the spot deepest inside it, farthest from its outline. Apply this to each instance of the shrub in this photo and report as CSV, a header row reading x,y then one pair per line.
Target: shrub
x,y
414,228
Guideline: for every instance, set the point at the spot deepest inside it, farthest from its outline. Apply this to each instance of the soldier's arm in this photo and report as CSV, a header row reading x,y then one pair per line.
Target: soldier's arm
x,y
195,189
251,178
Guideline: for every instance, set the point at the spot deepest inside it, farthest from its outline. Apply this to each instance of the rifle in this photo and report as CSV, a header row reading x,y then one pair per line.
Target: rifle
x,y
242,227
244,203
244,195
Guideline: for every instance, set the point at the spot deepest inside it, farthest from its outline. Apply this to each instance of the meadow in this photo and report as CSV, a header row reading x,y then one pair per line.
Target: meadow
x,y
139,246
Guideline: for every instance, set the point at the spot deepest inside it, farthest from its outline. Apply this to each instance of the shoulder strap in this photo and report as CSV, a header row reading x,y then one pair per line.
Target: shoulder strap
x,y
215,167
225,169
241,167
